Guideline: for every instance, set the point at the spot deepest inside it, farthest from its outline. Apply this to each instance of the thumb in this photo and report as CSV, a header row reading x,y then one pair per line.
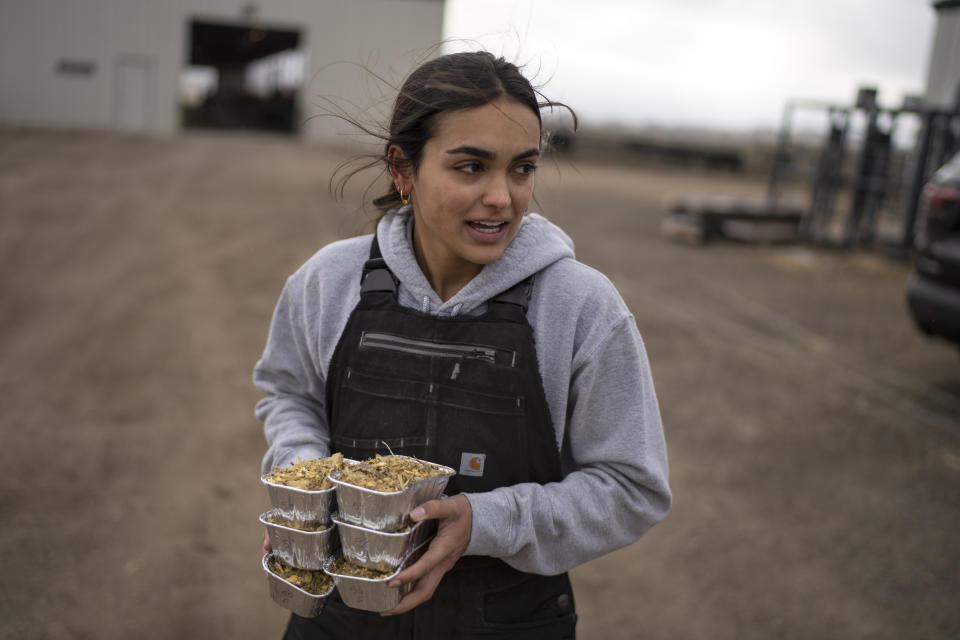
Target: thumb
x,y
434,509
424,511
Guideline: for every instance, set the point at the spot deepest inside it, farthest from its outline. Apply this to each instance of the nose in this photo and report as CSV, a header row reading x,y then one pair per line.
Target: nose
x,y
497,192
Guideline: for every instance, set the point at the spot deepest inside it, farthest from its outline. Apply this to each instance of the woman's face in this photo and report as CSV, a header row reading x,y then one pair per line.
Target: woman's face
x,y
472,188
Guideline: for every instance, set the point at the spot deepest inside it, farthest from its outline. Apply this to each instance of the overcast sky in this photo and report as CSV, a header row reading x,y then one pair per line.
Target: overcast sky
x,y
714,63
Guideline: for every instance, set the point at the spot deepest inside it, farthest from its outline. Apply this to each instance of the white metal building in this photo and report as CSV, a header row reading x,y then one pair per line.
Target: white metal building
x,y
133,64
943,76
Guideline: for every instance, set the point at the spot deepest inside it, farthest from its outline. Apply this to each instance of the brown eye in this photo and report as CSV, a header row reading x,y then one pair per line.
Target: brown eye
x,y
526,168
470,167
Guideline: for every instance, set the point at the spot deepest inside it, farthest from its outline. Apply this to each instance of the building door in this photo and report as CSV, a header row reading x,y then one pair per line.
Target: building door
x,y
134,94
251,76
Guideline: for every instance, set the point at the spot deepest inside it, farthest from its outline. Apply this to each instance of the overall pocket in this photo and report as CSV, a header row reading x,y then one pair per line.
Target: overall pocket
x,y
482,436
436,349
379,414
532,607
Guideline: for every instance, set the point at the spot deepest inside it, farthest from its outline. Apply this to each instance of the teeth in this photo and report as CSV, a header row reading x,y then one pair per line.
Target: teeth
x,y
487,227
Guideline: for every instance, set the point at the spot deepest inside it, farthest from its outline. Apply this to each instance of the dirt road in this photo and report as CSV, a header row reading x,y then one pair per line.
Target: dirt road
x,y
814,436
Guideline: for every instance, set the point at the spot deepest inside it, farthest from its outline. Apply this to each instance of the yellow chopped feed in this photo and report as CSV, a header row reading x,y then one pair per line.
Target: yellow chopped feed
x,y
341,566
389,473
307,474
296,524
315,582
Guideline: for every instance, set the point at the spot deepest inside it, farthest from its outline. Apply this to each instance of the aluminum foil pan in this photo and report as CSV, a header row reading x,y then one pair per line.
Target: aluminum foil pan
x,y
371,594
298,547
380,550
386,510
292,597
311,507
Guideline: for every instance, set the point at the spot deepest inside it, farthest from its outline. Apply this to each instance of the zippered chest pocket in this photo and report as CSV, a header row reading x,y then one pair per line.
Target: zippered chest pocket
x,y
434,349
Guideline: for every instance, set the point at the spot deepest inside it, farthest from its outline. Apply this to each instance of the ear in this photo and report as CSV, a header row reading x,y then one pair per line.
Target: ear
x,y
400,174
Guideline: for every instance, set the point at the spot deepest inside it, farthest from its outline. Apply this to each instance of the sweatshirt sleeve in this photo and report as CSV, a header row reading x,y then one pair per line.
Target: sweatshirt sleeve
x,y
292,410
618,487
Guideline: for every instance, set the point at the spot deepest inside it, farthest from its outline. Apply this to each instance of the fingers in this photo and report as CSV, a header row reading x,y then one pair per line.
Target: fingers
x,y
455,518
422,591
453,535
267,547
440,509
437,553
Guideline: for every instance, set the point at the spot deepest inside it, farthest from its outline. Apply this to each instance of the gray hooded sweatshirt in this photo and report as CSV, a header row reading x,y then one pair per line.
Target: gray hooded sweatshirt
x,y
595,374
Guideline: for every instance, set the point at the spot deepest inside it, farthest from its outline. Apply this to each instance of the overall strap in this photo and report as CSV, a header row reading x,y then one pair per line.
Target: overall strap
x,y
376,276
518,294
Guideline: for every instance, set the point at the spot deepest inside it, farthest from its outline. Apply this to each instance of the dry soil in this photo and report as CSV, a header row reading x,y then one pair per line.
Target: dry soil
x,y
814,434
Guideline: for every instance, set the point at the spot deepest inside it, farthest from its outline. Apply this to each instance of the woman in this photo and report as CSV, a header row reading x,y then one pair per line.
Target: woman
x,y
465,332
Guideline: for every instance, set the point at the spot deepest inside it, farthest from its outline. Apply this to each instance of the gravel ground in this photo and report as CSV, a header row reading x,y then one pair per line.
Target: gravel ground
x,y
813,434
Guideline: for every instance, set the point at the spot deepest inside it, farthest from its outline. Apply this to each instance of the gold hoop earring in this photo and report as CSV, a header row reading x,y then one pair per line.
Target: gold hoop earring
x,y
404,200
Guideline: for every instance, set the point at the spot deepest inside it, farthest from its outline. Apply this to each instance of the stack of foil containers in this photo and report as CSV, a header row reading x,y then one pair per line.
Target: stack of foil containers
x,y
370,528
307,545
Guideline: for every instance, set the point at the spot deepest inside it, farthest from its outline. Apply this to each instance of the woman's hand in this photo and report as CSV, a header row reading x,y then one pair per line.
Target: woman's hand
x,y
267,547
453,534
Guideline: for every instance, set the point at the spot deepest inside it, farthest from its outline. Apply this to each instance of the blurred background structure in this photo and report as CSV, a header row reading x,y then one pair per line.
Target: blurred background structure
x,y
161,67
840,173
162,173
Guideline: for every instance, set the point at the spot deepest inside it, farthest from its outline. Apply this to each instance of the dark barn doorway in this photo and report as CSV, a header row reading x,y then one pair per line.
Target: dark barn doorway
x,y
241,76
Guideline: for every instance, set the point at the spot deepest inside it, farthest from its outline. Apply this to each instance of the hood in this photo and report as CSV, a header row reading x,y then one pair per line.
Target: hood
x,y
537,244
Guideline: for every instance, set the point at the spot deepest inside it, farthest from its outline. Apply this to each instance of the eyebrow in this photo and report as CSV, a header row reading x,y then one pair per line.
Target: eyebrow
x,y
489,155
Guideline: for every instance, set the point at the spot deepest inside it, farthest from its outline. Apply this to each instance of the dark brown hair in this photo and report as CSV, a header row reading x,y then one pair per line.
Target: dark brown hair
x,y
446,83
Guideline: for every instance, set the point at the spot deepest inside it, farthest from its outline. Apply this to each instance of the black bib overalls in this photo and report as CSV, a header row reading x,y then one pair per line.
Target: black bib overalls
x,y
464,392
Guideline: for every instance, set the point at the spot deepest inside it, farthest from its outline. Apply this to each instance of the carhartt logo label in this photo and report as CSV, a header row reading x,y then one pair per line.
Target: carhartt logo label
x,y
471,464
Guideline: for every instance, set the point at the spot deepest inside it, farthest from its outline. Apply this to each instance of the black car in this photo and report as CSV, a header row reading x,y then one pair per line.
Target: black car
x,y
933,294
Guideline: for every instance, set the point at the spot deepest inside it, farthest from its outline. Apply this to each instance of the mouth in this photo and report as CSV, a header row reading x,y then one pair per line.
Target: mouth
x,y
487,226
